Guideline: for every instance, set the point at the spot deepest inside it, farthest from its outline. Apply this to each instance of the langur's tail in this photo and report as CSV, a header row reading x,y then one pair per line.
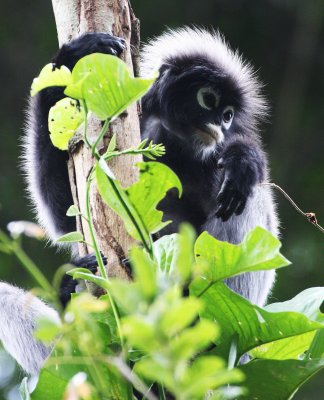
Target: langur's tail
x,y
19,313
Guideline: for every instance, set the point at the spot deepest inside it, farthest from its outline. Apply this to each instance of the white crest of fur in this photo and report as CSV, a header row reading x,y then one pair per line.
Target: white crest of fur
x,y
19,312
193,42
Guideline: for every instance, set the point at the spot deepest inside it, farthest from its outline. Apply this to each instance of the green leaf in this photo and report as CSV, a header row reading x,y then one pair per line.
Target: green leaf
x,y
84,274
279,380
73,211
258,251
154,181
52,384
112,144
47,329
54,379
141,334
116,198
174,254
152,150
316,349
165,249
308,303
5,249
144,271
63,120
193,340
70,237
182,313
286,349
189,382
252,325
51,77
106,85
127,295
136,205
154,371
207,373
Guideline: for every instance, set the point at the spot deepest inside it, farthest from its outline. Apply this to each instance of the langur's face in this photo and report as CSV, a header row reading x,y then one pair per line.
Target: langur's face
x,y
200,106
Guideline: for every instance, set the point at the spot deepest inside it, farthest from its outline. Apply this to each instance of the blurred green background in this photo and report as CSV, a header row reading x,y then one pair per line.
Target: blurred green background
x,y
284,40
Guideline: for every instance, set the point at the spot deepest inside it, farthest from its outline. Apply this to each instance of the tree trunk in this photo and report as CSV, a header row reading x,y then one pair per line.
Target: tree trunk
x,y
74,17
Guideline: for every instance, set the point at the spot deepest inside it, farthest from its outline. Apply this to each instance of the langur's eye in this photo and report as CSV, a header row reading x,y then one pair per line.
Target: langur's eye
x,y
228,115
208,98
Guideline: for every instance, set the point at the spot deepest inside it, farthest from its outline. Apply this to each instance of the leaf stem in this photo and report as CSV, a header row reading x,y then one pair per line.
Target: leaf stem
x,y
27,263
148,246
99,259
91,229
85,127
100,136
144,151
210,284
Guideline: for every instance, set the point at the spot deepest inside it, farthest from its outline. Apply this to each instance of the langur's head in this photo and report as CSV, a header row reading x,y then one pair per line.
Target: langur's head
x,y
205,93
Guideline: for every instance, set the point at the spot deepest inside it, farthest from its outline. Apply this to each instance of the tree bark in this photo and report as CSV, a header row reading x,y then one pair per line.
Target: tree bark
x,y
74,17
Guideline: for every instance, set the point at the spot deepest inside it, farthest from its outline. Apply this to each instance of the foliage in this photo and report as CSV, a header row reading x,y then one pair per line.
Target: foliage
x,y
63,120
147,338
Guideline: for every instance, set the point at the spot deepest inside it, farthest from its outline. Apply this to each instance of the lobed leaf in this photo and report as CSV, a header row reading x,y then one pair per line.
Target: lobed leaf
x,y
308,303
116,198
136,205
64,118
154,181
73,211
291,348
252,325
50,75
71,237
220,260
106,85
86,275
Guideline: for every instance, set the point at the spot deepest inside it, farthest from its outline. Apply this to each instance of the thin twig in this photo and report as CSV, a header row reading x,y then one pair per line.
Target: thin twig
x,y
310,216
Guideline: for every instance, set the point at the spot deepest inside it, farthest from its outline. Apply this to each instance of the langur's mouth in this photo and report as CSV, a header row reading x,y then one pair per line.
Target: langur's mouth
x,y
210,134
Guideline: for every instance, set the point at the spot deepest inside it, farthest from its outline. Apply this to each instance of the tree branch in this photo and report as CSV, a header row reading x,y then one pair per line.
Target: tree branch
x,y
75,17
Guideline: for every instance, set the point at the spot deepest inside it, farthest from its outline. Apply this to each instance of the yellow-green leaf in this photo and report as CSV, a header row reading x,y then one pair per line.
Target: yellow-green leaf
x,y
51,77
63,120
106,85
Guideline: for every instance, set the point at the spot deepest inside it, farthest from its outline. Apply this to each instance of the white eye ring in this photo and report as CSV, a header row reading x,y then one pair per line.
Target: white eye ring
x,y
228,115
208,98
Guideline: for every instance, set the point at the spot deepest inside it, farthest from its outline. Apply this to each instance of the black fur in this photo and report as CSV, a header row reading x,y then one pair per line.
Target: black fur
x,y
50,162
218,183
